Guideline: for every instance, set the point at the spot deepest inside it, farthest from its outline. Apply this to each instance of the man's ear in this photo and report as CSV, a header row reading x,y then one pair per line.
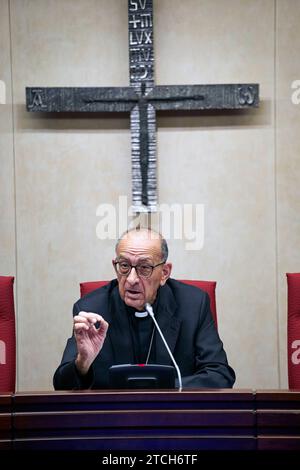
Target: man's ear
x,y
166,273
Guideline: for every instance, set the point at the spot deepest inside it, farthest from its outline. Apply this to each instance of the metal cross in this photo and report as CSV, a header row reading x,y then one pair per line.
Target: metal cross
x,y
142,99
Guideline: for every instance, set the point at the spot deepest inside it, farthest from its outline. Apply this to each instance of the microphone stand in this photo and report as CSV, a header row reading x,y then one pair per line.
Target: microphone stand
x,y
151,313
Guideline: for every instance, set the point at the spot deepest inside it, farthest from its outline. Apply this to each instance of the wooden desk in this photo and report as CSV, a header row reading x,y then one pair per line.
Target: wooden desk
x,y
278,420
151,420
5,422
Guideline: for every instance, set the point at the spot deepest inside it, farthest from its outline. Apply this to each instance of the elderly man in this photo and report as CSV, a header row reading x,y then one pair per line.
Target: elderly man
x,y
110,326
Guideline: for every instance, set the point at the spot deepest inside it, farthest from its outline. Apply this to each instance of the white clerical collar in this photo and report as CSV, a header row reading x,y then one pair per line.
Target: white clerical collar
x,y
141,314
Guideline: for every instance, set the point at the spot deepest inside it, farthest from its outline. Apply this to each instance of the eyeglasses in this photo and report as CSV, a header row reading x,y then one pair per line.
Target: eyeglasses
x,y
142,269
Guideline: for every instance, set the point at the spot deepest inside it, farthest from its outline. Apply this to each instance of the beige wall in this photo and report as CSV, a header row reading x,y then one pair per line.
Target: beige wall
x,y
7,185
244,168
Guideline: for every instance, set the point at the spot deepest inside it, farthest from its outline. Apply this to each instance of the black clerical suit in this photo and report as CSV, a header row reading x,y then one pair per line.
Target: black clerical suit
x,y
183,314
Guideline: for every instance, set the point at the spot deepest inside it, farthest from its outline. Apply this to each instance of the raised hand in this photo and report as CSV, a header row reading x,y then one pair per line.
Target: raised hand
x,y
90,332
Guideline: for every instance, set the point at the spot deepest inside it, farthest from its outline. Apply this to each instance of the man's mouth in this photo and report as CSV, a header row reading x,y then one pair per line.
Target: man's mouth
x,y
132,292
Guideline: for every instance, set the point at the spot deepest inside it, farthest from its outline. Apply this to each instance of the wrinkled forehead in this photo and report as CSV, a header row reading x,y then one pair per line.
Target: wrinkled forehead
x,y
140,244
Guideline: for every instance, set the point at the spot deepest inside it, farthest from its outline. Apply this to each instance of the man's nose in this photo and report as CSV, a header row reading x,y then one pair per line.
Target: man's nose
x,y
132,276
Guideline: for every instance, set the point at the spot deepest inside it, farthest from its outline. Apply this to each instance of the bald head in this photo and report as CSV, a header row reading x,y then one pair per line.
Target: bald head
x,y
146,234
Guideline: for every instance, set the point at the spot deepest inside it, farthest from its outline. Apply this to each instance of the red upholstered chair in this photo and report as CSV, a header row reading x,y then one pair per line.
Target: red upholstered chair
x,y
87,287
293,322
207,286
7,335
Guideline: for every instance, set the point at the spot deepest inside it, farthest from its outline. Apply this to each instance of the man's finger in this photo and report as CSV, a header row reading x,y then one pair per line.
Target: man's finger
x,y
90,316
81,326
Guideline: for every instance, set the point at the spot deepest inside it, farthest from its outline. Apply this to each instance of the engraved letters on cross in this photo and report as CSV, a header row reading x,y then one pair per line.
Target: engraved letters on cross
x,y
142,99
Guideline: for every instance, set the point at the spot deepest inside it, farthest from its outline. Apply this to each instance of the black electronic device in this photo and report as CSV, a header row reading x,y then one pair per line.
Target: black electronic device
x,y
142,376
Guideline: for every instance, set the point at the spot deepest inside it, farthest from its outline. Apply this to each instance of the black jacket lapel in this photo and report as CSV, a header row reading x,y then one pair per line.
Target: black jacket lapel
x,y
119,332
168,323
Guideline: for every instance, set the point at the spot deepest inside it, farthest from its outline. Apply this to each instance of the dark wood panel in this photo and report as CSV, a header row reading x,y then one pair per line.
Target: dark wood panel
x,y
141,418
5,426
150,443
5,444
279,418
277,399
5,403
135,420
277,395
147,420
5,421
192,399
278,443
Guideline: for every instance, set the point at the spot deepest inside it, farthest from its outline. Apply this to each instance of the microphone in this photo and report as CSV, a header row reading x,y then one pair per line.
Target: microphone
x,y
151,313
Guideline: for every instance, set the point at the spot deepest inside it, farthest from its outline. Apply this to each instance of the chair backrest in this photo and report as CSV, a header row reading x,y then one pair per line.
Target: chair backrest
x,y
207,286
7,335
293,333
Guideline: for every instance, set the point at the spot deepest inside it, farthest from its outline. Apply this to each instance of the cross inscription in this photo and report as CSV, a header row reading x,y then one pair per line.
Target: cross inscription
x,y
142,99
